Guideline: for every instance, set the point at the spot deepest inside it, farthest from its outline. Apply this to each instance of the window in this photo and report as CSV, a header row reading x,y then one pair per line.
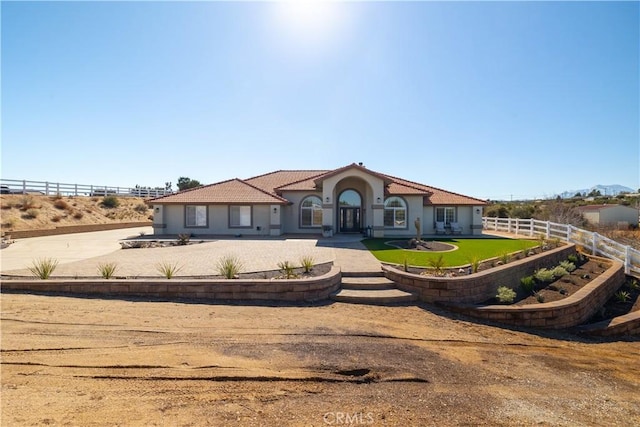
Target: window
x,y
195,216
311,212
350,198
395,213
240,216
446,215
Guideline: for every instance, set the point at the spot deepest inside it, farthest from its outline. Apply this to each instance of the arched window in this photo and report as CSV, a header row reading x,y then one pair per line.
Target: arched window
x,y
350,198
311,212
395,213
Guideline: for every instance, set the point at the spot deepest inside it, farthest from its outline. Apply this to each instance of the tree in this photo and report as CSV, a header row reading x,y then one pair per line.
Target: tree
x,y
185,183
595,193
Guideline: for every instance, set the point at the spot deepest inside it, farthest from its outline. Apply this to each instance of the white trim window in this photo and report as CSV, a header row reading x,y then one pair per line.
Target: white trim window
x,y
240,216
195,216
395,213
446,214
311,212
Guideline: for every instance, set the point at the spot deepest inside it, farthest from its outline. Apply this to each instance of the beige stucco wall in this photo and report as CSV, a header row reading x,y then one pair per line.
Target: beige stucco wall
x,y
291,213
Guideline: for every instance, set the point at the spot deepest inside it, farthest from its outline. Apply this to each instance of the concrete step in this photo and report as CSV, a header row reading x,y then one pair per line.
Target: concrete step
x,y
374,297
367,283
362,273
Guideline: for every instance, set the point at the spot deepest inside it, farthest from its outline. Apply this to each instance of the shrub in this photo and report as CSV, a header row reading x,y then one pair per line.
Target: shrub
x,y
505,295
183,239
622,296
438,265
141,208
544,275
475,263
56,218
27,202
555,242
43,267
572,258
633,285
307,262
229,267
568,266
287,269
539,297
559,271
60,204
107,270
78,215
541,241
528,283
31,214
504,257
110,202
168,269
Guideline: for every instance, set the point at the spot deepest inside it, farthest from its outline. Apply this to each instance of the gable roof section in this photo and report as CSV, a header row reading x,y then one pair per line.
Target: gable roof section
x,y
283,179
432,195
233,191
334,172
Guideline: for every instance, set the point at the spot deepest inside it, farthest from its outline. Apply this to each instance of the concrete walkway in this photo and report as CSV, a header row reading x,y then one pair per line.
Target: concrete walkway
x,y
81,254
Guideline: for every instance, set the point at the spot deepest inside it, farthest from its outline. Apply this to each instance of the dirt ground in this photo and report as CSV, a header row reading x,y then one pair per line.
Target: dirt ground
x,y
83,361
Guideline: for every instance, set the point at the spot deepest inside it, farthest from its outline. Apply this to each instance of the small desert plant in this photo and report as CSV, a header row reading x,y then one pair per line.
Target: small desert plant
x,y
27,202
43,267
559,271
437,264
107,270
141,208
110,202
568,266
11,222
541,241
633,285
229,266
287,269
505,295
56,218
307,263
539,297
183,239
504,257
544,275
528,283
475,263
31,214
555,242
572,258
168,269
622,296
406,264
78,215
61,204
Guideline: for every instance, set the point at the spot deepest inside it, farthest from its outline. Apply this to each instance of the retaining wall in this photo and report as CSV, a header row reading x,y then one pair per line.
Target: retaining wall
x,y
565,313
628,324
69,229
308,290
477,287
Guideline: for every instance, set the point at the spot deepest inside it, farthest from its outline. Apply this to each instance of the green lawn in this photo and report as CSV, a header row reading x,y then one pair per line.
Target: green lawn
x,y
467,249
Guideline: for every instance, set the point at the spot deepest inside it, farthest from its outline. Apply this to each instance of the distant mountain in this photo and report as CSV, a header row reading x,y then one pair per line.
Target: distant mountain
x,y
605,190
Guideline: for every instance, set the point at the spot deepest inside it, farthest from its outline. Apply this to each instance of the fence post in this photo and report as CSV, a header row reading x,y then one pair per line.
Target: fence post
x,y
548,229
627,259
24,186
569,228
75,189
517,226
46,188
57,188
593,243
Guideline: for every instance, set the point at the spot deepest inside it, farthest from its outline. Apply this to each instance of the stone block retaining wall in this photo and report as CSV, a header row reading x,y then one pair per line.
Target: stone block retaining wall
x,y
477,287
565,313
308,290
68,229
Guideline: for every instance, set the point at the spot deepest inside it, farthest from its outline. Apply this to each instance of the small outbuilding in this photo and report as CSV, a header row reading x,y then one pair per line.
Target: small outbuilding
x,y
619,216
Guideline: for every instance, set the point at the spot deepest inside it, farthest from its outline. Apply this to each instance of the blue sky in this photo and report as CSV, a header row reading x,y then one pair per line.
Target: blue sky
x,y
489,99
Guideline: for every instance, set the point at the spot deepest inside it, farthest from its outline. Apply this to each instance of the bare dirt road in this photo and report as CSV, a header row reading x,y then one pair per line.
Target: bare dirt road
x,y
75,361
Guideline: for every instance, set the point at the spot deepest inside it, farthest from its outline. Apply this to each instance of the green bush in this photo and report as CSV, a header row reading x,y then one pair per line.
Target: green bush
x,y
229,267
528,284
544,275
622,296
573,258
568,266
505,295
475,263
110,202
504,257
559,271
43,268
437,264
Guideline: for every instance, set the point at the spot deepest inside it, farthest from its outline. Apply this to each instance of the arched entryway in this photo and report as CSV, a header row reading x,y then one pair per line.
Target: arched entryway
x,y
349,211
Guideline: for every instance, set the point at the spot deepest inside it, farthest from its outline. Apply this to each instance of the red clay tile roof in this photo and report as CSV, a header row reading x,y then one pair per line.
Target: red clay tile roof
x,y
267,188
234,191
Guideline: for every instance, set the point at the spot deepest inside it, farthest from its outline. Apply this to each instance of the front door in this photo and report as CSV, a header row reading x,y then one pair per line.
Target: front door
x,y
349,220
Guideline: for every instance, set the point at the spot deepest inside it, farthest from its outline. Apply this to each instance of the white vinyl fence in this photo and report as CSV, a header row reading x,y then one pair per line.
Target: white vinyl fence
x,y
13,186
598,244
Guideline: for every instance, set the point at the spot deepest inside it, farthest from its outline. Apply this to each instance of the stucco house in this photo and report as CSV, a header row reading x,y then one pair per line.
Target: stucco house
x,y
351,199
610,215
